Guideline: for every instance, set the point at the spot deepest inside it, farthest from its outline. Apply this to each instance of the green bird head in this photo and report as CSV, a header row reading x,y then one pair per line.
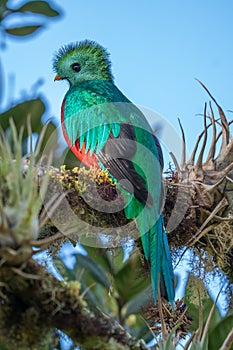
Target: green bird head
x,y
82,61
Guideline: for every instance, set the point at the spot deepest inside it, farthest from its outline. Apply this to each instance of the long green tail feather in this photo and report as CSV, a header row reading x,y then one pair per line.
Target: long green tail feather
x,y
156,250
155,247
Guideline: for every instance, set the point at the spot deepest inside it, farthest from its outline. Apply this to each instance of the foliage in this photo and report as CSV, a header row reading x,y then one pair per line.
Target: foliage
x,y
32,109
99,272
8,14
209,328
118,288
20,203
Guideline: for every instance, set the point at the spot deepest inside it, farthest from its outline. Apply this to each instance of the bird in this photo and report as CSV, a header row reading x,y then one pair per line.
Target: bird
x,y
104,129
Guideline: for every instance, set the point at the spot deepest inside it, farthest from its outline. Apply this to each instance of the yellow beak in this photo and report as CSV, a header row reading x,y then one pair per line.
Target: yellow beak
x,y
57,77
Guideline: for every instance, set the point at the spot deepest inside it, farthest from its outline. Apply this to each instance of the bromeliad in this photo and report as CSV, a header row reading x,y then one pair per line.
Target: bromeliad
x,y
104,129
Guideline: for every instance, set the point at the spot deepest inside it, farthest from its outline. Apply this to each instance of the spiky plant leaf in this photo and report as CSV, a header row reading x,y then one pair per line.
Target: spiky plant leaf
x,y
168,344
20,201
201,190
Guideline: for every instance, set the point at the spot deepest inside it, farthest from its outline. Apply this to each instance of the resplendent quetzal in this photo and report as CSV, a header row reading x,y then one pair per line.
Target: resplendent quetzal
x,y
104,129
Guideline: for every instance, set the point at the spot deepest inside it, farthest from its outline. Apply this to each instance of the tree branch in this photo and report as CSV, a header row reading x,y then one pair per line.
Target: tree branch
x,y
44,303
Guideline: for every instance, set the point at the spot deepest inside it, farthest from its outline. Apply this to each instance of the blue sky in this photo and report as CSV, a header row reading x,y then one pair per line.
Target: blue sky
x,y
157,49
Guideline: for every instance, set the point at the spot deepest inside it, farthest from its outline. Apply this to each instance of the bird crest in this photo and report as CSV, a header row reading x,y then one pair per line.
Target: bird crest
x,y
87,53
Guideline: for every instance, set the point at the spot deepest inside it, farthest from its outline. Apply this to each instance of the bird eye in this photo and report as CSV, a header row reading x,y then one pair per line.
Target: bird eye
x,y
76,67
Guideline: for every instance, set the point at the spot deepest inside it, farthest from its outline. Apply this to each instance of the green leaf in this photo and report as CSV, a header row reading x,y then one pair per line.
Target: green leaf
x,y
110,261
100,256
95,270
140,329
50,139
218,335
130,280
22,31
134,305
39,7
68,158
95,283
196,297
3,9
118,257
3,347
168,343
34,108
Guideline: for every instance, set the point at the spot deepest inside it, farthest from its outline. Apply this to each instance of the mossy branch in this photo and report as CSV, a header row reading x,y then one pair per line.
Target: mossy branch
x,y
36,303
